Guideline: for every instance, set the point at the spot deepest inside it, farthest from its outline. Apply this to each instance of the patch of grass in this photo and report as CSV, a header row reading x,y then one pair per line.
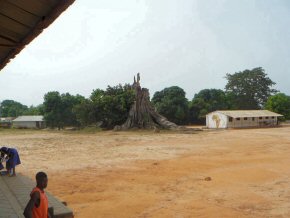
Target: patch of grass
x,y
17,131
90,130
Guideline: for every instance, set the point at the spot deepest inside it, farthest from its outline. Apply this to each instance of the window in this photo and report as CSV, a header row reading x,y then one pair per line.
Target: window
x,y
238,118
273,117
253,118
245,118
267,118
230,119
260,118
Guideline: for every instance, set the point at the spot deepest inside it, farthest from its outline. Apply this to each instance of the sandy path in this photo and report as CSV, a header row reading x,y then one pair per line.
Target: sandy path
x,y
142,174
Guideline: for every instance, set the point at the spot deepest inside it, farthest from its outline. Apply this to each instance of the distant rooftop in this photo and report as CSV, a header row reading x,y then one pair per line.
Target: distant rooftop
x,y
28,119
6,119
249,113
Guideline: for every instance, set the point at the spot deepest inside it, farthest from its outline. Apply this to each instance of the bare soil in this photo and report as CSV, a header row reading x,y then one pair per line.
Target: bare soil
x,y
224,173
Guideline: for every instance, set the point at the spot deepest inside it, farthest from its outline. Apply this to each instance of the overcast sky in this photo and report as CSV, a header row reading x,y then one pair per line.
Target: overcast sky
x,y
188,43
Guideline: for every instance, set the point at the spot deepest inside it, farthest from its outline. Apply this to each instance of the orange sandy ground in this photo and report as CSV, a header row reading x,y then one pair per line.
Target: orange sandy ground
x,y
146,174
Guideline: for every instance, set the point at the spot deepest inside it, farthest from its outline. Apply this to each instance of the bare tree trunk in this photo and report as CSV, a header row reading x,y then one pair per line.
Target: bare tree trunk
x,y
142,115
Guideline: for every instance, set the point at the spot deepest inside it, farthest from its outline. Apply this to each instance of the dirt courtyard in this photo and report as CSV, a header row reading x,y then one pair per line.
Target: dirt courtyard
x,y
146,174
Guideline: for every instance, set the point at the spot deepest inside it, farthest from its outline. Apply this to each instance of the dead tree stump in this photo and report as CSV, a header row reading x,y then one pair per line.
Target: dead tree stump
x,y
142,115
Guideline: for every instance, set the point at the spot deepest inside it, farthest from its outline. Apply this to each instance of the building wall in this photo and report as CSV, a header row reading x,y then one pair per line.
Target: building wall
x,y
216,120
244,122
28,124
252,122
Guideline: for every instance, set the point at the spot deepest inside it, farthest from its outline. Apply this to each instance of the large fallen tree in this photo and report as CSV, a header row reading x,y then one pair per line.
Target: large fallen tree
x,y
142,114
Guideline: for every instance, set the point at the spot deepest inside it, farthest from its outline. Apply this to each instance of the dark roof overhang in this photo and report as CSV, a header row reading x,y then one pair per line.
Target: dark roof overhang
x,y
23,20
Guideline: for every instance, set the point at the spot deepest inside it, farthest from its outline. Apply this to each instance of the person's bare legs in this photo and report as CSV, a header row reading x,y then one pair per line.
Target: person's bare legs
x,y
11,172
8,172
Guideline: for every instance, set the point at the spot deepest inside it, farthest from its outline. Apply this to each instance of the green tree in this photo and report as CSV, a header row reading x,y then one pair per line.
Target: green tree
x,y
111,106
279,103
34,110
85,112
249,89
206,101
68,115
59,109
172,103
53,110
10,108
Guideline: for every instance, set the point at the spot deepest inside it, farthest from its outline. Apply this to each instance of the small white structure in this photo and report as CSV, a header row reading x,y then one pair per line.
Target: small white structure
x,y
29,122
241,119
6,122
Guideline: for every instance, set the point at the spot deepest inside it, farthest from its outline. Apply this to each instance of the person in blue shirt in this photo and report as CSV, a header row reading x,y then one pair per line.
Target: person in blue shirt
x,y
12,159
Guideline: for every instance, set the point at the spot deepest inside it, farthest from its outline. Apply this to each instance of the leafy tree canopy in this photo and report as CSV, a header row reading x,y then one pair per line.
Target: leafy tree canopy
x,y
10,108
53,109
58,109
249,89
34,110
85,112
206,101
110,106
172,103
68,102
279,103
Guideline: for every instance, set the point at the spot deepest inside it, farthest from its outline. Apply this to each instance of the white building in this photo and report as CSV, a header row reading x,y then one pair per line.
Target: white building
x,y
241,119
29,122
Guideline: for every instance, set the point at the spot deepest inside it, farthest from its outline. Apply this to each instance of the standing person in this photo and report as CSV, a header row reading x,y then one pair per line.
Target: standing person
x,y
37,207
13,159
